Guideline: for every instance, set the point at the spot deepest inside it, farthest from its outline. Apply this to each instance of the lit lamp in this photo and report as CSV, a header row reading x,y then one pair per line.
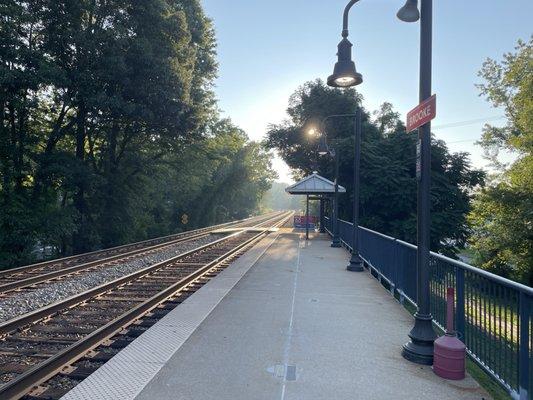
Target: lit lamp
x,y
323,148
344,72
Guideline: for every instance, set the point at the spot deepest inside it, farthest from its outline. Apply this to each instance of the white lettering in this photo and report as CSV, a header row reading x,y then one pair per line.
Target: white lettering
x,y
422,114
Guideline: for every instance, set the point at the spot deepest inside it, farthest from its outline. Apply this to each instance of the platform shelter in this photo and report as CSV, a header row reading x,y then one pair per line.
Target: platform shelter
x,y
314,187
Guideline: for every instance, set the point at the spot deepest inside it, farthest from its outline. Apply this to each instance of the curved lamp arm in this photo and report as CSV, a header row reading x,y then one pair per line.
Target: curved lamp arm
x,y
345,18
325,119
336,115
322,125
408,13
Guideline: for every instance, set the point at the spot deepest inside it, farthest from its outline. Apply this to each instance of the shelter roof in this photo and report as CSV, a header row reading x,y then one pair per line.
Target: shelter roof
x,y
314,184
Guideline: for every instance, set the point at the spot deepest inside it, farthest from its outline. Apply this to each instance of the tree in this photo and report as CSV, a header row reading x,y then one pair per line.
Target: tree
x,y
24,70
502,217
106,115
388,177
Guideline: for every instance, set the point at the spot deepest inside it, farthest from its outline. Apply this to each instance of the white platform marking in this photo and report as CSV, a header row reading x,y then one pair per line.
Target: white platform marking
x,y
287,348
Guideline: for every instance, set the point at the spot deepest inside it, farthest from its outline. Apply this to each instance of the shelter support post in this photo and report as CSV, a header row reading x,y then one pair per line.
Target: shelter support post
x,y
335,240
307,217
322,227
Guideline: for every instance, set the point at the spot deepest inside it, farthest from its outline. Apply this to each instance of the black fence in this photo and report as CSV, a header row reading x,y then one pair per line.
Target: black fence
x,y
493,314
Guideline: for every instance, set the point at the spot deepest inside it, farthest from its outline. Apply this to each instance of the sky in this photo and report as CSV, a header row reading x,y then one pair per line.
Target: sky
x,y
267,49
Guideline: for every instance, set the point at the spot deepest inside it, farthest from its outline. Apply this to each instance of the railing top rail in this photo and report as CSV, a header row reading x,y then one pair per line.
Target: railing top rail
x,y
486,274
459,264
379,234
371,231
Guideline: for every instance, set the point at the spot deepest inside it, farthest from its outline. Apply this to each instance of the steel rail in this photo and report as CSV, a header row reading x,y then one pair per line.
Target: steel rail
x,y
43,312
48,368
11,286
157,240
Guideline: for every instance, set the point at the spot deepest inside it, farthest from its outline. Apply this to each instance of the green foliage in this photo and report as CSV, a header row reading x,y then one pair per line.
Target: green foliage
x,y
109,130
388,156
502,218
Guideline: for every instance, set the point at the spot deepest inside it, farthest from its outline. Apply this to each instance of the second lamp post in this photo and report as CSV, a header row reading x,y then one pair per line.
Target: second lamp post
x,y
356,262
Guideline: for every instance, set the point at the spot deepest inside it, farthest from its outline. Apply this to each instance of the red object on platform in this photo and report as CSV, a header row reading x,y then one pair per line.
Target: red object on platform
x,y
301,220
449,352
449,357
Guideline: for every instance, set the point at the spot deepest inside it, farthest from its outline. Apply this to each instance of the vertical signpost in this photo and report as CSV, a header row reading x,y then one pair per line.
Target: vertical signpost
x,y
420,348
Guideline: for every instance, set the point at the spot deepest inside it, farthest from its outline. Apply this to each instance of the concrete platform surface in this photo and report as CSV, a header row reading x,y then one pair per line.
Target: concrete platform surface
x,y
297,325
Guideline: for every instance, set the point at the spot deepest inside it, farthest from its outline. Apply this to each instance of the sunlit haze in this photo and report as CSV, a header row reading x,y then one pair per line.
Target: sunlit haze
x,y
267,49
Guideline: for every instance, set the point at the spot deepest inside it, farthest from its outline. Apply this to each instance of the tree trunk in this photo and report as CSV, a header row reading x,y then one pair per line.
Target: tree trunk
x,y
20,148
80,243
112,202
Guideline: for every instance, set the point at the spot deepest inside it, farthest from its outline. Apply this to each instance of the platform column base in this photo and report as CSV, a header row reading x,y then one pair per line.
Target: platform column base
x,y
356,263
420,349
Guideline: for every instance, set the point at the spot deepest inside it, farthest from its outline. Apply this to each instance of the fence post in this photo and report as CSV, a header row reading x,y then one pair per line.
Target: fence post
x,y
460,309
396,285
400,284
523,351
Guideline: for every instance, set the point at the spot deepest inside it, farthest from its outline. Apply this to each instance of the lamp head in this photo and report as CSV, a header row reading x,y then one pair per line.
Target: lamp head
x,y
344,72
409,12
323,146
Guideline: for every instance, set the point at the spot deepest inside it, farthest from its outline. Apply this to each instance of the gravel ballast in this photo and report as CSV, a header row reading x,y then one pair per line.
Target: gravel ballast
x,y
26,302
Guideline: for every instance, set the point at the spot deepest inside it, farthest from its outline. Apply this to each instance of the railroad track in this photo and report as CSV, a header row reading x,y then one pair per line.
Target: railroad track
x,y
70,339
33,276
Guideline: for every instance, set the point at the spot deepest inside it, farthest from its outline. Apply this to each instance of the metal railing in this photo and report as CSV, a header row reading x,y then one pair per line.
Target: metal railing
x,y
493,314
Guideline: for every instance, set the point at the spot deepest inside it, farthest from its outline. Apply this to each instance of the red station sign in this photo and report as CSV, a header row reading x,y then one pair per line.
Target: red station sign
x,y
422,113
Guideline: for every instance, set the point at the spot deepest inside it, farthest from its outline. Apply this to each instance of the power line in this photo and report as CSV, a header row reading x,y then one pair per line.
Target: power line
x,y
462,141
468,122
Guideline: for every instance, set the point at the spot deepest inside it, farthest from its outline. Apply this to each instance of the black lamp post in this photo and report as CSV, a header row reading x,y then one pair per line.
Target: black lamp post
x,y
324,149
420,348
356,262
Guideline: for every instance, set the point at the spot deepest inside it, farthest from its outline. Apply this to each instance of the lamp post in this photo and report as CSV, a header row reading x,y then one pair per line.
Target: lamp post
x,y
420,348
356,262
324,149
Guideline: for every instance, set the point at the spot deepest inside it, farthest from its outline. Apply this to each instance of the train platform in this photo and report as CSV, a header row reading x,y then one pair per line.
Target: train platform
x,y
285,321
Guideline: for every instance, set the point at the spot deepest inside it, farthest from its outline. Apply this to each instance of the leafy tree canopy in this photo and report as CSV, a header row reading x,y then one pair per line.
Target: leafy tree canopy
x,y
388,155
502,217
109,130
